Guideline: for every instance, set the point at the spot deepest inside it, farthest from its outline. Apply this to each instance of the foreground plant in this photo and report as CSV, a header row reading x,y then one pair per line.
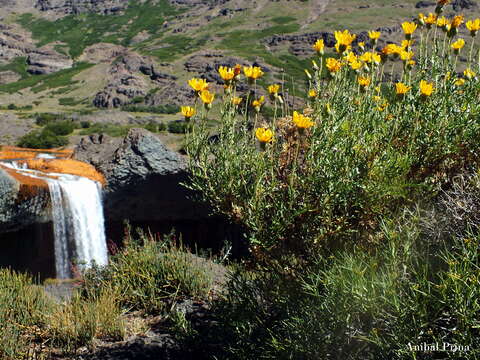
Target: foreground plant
x,y
384,129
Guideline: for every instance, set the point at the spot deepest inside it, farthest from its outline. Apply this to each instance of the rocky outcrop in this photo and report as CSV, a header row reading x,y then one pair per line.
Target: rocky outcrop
x,y
132,75
20,204
44,60
143,178
7,77
66,7
47,63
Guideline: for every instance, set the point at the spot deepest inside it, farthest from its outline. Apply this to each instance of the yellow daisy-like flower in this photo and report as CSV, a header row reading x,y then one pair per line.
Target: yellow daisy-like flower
x,y
459,82
333,65
443,22
356,65
371,57
253,72
382,107
391,49
401,89
226,73
187,111
312,93
207,97
349,56
236,100
457,21
364,81
473,26
198,85
458,45
374,36
257,103
361,45
302,121
409,28
273,89
469,73
344,40
426,88
406,55
406,44
366,57
430,20
421,18
319,46
264,135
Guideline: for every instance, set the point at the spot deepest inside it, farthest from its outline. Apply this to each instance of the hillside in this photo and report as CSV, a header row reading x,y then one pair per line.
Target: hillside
x,y
93,58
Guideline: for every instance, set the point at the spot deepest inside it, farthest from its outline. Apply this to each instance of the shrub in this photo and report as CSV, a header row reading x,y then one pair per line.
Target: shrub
x,y
45,118
85,124
22,305
178,127
44,139
152,126
63,128
151,274
351,156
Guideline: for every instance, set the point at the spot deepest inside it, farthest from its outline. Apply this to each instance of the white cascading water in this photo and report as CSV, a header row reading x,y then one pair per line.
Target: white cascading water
x,y
78,220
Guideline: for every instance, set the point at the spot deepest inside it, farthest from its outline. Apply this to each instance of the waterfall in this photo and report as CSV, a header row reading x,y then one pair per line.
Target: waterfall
x,y
78,220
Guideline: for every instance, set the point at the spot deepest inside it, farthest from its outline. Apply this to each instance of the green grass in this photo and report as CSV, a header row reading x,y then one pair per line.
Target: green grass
x,y
43,82
18,65
176,46
80,31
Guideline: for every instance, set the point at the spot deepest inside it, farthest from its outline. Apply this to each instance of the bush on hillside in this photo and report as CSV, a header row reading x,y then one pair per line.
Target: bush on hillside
x,y
44,139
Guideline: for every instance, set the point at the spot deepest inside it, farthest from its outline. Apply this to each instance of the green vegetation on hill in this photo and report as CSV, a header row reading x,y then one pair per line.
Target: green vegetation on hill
x,y
80,31
42,82
18,65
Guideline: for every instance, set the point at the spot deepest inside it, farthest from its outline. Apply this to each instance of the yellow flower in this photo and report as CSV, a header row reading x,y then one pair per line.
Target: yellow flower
x,y
473,26
401,88
350,56
319,46
374,35
406,44
430,20
426,88
257,103
382,107
459,82
273,89
333,65
226,73
458,45
391,49
198,85
312,93
187,111
303,122
361,45
469,74
366,57
356,65
236,100
410,63
252,72
364,81
207,97
409,28
406,55
442,22
264,135
457,21
421,18
344,40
